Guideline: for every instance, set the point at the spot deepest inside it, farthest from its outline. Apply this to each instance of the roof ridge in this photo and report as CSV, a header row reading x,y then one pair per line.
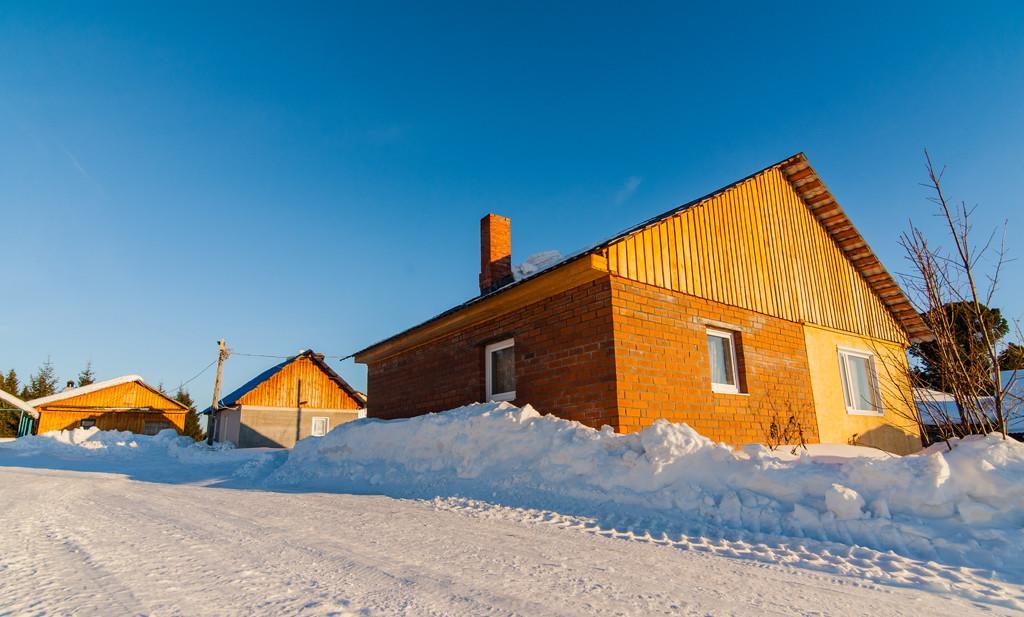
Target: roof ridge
x,y
233,397
93,387
905,316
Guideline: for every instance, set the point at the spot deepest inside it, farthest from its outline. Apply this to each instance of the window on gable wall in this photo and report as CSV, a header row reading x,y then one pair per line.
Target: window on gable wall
x,y
860,382
500,367
722,360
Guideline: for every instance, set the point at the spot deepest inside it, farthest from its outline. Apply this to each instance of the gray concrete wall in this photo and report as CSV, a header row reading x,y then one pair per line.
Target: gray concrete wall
x,y
228,425
262,428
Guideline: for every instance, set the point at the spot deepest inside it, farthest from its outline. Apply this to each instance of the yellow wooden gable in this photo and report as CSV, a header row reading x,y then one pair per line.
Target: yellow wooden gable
x,y
757,245
126,396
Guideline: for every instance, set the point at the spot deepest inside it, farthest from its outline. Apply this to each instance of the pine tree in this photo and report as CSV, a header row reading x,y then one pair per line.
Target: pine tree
x,y
192,428
967,331
1012,358
9,419
86,377
42,383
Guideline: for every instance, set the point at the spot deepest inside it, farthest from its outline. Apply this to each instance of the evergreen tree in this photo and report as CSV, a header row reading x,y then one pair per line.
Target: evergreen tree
x,y
86,377
192,428
9,419
42,383
969,335
9,383
1012,358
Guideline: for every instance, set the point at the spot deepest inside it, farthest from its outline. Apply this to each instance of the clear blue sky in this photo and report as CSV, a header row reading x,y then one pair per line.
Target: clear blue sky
x,y
312,176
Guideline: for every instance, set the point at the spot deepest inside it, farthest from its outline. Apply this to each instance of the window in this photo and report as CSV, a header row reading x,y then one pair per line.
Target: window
x,y
722,360
152,427
87,423
860,382
320,426
500,367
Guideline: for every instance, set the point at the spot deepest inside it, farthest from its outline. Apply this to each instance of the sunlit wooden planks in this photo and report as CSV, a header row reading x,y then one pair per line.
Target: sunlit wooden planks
x,y
758,246
121,396
318,390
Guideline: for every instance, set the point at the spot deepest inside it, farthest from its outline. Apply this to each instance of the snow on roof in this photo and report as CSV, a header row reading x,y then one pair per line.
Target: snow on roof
x,y
931,396
19,404
93,387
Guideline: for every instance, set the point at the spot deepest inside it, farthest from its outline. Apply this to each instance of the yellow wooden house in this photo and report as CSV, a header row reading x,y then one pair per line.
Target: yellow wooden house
x,y
125,403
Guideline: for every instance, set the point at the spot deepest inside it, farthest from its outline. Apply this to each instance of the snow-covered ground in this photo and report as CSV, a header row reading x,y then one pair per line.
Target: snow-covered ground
x,y
495,510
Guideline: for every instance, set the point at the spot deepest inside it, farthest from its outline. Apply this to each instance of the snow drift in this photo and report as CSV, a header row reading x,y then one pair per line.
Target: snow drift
x,y
964,507
117,444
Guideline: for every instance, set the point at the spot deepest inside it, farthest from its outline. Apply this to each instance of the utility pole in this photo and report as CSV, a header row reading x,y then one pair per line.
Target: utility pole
x,y
211,426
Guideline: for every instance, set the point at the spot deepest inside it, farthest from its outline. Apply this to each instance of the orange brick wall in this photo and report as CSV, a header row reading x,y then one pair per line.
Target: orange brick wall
x,y
564,362
661,357
614,352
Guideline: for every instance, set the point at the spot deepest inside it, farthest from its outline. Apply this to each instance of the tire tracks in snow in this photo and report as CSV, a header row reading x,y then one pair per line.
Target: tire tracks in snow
x,y
860,567
164,549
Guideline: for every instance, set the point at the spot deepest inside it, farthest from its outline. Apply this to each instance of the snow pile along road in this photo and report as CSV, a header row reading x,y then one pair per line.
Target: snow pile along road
x,y
92,442
164,457
963,508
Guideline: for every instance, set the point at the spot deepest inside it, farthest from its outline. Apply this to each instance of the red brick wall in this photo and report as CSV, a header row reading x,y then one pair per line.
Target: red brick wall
x,y
495,251
661,356
656,366
564,362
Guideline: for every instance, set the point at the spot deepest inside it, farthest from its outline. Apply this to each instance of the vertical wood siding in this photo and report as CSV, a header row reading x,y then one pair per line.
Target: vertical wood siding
x,y
319,391
756,246
107,421
118,407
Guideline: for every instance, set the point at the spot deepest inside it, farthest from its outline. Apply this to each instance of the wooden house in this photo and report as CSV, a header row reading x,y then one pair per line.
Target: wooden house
x,y
124,404
297,398
757,304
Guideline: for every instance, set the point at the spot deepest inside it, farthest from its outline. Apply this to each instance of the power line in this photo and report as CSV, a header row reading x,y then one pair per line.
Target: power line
x,y
260,355
256,355
265,355
196,376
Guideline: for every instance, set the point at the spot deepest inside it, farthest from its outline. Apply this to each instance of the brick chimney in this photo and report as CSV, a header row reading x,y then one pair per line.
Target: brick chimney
x,y
495,252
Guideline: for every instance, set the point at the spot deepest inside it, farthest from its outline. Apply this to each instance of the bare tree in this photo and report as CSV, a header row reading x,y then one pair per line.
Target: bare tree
x,y
777,431
952,287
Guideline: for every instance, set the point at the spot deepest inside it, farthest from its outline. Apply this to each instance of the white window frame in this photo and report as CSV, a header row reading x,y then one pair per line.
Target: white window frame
x,y
844,376
327,426
725,388
488,350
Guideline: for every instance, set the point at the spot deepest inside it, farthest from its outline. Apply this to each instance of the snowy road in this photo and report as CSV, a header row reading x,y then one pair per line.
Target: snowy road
x,y
102,544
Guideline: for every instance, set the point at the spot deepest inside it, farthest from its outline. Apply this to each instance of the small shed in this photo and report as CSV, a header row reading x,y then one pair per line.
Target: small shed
x,y
298,398
125,403
27,415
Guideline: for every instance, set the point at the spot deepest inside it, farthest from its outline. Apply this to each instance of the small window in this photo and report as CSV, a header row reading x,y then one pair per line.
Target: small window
x,y
320,426
152,427
860,382
500,360
722,360
87,423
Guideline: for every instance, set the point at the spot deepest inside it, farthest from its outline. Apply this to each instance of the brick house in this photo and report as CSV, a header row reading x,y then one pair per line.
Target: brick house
x,y
759,301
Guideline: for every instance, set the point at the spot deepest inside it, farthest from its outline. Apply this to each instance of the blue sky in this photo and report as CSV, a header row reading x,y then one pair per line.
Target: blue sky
x,y
313,175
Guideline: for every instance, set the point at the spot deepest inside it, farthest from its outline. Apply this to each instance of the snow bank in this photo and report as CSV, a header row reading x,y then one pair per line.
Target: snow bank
x,y
94,443
964,507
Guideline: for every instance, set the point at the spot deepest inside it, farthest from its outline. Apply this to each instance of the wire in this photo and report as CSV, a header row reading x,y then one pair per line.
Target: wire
x,y
260,355
253,355
265,355
196,376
